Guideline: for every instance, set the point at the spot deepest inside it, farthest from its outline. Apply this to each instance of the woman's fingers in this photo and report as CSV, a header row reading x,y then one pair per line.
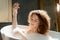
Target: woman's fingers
x,y
16,7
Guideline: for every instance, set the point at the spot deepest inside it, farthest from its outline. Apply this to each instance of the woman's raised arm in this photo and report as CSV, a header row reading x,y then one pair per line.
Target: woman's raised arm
x,y
15,11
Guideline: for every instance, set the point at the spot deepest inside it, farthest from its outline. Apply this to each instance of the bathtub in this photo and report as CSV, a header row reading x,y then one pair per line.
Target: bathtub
x,y
6,33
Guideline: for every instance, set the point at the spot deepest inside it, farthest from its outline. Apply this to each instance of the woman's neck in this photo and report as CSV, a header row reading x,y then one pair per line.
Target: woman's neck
x,y
31,30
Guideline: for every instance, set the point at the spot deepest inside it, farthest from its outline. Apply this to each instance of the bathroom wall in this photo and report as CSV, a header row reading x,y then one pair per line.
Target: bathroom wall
x,y
5,11
49,7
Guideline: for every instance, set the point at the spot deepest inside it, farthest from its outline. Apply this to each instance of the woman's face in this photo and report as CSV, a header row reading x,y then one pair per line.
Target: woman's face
x,y
34,23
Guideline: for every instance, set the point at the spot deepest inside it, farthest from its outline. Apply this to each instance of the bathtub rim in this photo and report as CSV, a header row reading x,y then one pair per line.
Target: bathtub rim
x,y
15,37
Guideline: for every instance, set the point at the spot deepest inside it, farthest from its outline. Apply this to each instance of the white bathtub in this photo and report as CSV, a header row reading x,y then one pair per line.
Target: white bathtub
x,y
6,33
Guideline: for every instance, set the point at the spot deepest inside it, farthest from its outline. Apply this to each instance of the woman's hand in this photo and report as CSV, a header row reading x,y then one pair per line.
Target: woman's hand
x,y
15,8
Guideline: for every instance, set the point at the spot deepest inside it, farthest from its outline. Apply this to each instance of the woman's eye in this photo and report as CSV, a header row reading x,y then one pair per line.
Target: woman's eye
x,y
36,20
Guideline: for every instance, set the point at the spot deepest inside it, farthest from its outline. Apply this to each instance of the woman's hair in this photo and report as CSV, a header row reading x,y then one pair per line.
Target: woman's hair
x,y
44,19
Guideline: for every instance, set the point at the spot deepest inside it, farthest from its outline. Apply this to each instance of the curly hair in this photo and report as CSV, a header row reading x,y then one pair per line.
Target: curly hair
x,y
44,19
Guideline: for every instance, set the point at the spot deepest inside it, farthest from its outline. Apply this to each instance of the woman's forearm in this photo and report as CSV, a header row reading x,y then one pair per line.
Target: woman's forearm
x,y
14,23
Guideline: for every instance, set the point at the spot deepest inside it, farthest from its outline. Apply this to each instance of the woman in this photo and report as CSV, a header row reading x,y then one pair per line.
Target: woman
x,y
39,20
39,24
